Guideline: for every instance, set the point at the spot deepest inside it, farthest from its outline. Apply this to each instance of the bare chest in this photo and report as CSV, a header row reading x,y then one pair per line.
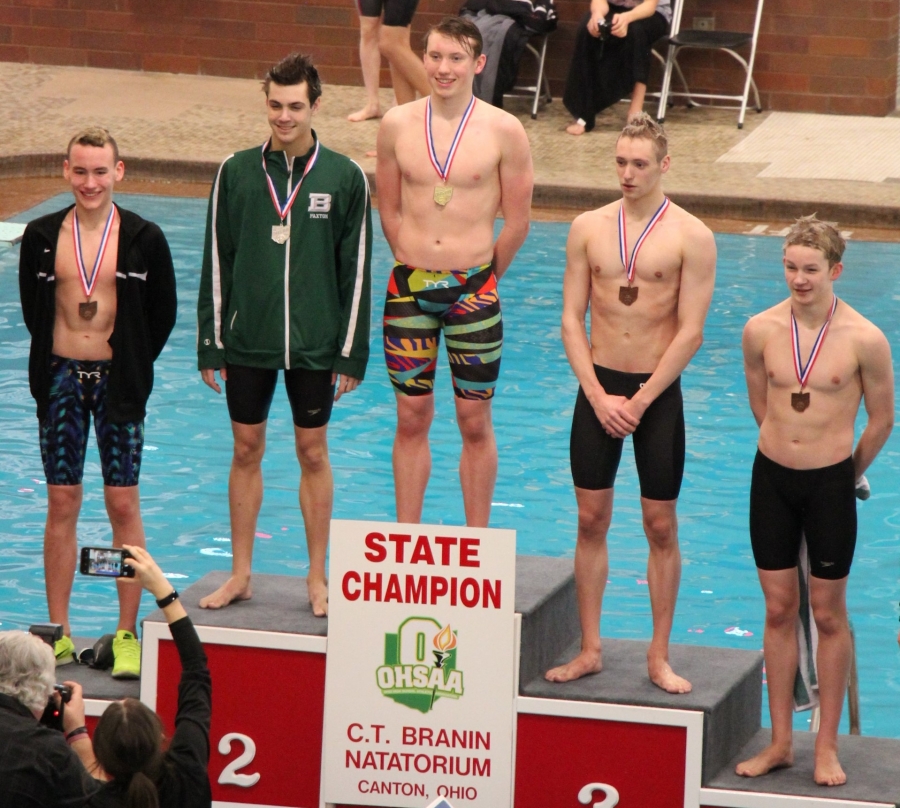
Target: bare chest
x,y
95,273
657,262
835,369
474,164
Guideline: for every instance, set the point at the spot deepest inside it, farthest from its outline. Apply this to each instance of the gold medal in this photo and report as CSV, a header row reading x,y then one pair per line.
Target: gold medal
x,y
442,194
87,311
280,233
628,294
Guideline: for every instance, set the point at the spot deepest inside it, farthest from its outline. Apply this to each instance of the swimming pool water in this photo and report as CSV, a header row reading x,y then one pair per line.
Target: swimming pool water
x,y
185,468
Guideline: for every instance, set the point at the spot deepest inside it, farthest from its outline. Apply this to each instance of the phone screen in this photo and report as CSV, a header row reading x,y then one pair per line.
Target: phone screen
x,y
105,561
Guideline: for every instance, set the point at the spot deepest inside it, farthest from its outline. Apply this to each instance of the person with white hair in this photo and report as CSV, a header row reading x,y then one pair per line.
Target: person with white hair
x,y
40,767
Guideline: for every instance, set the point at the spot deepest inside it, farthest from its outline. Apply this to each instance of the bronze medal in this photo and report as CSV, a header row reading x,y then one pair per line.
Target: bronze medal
x,y
442,194
628,294
86,311
800,401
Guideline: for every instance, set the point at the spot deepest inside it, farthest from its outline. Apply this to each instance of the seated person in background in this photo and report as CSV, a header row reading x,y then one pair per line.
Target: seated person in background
x,y
612,58
38,769
128,741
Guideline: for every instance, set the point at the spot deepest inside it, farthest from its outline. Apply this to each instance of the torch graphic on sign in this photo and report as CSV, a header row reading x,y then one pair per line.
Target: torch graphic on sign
x,y
444,642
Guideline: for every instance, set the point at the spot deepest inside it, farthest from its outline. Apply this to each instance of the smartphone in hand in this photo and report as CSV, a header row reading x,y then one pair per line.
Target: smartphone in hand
x,y
107,562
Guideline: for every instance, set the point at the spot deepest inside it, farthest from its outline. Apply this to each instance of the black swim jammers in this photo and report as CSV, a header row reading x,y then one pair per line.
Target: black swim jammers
x,y
397,13
249,392
658,440
787,503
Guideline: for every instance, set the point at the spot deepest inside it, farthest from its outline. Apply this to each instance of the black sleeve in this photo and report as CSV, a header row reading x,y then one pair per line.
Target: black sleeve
x,y
190,743
161,296
27,278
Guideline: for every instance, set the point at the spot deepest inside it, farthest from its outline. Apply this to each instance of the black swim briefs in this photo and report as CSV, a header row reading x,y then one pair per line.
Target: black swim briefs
x,y
658,440
249,393
397,13
787,503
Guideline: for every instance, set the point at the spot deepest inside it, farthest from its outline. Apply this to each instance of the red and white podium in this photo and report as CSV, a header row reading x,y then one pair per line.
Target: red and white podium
x,y
606,740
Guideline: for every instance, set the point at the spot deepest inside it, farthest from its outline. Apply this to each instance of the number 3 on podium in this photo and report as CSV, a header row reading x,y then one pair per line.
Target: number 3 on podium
x,y
587,794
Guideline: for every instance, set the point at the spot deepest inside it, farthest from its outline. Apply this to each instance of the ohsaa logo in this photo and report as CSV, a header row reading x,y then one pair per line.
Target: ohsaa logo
x,y
420,664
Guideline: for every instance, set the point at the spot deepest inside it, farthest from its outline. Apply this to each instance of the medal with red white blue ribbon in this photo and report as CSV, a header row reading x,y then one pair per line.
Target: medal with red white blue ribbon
x,y
88,310
800,401
628,294
282,232
442,193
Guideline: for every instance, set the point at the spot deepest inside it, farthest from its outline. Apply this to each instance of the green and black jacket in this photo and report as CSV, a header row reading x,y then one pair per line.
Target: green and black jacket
x,y
302,304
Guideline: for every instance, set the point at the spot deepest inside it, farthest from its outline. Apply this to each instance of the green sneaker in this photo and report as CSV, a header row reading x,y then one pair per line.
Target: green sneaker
x,y
64,650
127,656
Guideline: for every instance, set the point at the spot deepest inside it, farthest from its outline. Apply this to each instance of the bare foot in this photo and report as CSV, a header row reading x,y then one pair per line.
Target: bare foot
x,y
365,114
233,589
318,597
575,128
663,676
585,663
828,769
771,758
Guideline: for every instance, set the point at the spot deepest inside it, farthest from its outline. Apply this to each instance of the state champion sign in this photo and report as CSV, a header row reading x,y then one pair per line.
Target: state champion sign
x,y
419,682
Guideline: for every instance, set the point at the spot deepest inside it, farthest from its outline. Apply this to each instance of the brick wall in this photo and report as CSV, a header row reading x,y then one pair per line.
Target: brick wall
x,y
814,55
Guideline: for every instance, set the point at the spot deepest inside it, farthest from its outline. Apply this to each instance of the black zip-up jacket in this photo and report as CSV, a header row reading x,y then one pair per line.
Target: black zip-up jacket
x,y
145,309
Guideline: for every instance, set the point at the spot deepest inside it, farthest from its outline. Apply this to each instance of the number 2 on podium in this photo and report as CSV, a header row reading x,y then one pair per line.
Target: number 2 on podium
x,y
229,775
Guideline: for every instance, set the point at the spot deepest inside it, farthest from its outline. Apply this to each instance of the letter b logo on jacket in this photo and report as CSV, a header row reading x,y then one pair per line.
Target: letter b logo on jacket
x,y
319,203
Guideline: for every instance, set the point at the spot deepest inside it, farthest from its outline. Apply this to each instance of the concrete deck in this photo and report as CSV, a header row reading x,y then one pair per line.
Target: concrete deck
x,y
179,127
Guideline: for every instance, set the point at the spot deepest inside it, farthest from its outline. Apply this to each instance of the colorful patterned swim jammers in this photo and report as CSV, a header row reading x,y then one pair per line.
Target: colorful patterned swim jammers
x,y
77,389
465,303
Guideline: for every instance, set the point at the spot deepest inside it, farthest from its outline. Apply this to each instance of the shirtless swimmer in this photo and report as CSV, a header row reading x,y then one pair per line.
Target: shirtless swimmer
x,y
646,325
447,164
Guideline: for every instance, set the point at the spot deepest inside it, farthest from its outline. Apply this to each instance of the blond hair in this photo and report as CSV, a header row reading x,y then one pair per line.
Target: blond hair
x,y
808,231
643,127
95,136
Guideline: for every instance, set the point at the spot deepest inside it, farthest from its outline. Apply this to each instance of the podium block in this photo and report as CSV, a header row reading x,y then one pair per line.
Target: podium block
x,y
607,739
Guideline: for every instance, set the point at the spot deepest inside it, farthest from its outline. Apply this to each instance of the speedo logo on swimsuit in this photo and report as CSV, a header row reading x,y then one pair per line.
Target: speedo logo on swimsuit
x,y
319,206
88,374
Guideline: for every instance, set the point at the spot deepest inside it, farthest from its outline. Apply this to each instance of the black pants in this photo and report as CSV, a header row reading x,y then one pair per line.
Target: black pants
x,y
603,73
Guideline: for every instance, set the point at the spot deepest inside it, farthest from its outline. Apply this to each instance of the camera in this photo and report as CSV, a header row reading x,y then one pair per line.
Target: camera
x,y
48,632
53,712
605,28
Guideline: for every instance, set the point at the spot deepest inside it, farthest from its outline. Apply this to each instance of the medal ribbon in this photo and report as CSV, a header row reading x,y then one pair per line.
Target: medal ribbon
x,y
630,265
86,282
444,170
283,210
801,371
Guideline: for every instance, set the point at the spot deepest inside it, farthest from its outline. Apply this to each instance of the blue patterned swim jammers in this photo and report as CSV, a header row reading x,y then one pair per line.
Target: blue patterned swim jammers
x,y
77,389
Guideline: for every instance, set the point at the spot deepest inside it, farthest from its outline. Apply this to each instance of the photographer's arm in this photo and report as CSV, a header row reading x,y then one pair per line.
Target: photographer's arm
x,y
73,721
192,721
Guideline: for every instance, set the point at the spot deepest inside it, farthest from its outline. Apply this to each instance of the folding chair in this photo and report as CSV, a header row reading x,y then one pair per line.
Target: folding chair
x,y
727,41
541,86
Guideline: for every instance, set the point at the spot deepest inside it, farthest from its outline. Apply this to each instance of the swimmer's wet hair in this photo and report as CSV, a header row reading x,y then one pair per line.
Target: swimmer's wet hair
x,y
808,231
460,30
295,68
94,136
643,127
